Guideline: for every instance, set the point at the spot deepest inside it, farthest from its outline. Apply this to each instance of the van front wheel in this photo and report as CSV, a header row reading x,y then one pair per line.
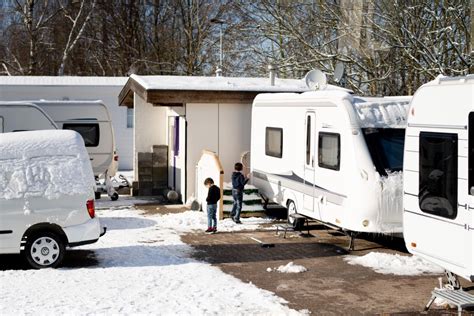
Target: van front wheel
x,y
44,250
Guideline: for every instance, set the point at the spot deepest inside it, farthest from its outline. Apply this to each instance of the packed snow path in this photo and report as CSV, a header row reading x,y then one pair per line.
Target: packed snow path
x,y
142,267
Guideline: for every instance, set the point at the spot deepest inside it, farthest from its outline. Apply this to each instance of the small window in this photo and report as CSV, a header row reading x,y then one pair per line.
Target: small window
x,y
274,142
129,117
89,132
308,140
438,178
471,153
329,150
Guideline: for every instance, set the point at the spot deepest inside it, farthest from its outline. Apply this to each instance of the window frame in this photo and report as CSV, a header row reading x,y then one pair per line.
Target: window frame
x,y
269,153
441,136
320,163
97,131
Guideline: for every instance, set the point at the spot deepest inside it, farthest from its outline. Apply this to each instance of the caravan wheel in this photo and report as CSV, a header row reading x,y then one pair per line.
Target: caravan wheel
x,y
291,206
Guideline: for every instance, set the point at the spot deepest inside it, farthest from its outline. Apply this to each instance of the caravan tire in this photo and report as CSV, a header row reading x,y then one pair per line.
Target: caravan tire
x,y
297,223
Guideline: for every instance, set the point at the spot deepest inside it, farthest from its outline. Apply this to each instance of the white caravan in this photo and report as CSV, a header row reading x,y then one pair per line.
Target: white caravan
x,y
91,119
332,156
439,175
13,114
46,195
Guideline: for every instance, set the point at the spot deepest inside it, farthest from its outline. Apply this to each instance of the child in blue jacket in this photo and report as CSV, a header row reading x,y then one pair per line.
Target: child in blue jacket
x,y
238,183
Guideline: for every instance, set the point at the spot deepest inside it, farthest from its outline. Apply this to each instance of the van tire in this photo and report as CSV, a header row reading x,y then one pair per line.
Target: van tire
x,y
297,223
97,195
52,244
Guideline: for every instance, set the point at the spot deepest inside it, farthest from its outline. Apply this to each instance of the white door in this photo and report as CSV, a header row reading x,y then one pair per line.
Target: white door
x,y
309,163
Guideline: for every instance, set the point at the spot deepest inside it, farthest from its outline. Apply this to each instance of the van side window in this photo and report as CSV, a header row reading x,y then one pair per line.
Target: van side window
x,y
438,177
471,153
274,142
89,131
329,151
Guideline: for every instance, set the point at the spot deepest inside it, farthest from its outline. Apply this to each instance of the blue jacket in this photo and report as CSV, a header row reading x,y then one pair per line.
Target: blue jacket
x,y
238,181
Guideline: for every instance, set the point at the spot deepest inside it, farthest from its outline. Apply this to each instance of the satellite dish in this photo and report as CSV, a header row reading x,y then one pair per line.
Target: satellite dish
x,y
315,79
338,72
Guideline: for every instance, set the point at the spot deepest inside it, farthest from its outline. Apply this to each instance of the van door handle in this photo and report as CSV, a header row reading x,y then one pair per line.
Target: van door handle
x,y
463,205
91,159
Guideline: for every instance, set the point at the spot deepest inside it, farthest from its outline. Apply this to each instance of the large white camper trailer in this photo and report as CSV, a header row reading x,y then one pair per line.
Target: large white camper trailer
x,y
332,156
92,121
439,175
22,116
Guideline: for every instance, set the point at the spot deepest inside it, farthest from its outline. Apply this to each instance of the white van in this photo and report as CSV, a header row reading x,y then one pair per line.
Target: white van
x,y
13,114
46,195
439,175
92,120
332,156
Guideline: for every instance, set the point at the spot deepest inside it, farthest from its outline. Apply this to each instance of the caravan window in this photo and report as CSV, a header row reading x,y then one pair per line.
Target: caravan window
x,y
329,149
89,132
386,148
438,178
274,142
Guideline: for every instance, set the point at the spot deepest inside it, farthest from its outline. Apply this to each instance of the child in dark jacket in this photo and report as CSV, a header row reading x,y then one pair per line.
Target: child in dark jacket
x,y
238,183
213,196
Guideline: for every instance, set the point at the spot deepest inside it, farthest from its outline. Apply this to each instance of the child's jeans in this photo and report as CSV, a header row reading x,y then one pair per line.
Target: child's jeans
x,y
211,215
238,196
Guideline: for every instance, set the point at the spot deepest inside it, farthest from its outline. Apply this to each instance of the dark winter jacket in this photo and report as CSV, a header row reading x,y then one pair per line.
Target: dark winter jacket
x,y
214,195
238,181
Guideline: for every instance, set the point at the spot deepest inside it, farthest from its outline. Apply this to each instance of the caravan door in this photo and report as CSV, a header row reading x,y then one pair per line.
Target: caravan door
x,y
443,198
470,226
309,167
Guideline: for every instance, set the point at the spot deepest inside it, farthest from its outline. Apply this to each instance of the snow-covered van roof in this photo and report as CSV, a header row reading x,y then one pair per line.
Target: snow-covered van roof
x,y
61,81
46,164
370,112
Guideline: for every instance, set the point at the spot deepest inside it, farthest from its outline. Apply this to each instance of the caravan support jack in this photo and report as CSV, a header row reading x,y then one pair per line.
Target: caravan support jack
x,y
352,236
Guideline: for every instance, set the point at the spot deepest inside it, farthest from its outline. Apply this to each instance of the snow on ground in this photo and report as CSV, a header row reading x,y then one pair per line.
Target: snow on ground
x,y
291,268
386,263
193,220
124,201
143,268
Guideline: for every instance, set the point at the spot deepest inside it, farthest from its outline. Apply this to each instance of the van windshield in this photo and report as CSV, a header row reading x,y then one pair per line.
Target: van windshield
x,y
386,148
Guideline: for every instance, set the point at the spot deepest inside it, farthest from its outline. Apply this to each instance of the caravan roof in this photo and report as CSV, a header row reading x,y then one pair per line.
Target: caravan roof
x,y
95,110
370,112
